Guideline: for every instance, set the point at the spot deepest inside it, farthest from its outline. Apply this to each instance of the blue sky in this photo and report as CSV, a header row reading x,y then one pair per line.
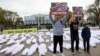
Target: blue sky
x,y
30,7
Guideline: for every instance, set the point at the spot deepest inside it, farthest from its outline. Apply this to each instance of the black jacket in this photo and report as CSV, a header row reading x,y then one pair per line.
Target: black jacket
x,y
86,33
74,29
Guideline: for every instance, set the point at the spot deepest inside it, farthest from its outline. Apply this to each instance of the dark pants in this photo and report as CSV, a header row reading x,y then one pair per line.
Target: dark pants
x,y
73,39
58,39
86,43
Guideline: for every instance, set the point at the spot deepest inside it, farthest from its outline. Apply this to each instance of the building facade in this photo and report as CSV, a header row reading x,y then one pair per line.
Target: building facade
x,y
38,19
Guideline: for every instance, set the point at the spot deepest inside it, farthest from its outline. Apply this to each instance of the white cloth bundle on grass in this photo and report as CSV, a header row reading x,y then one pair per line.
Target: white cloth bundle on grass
x,y
47,41
66,37
25,51
95,34
42,49
66,45
11,41
52,46
18,41
51,35
41,39
32,49
34,40
11,48
23,39
41,34
15,37
3,50
94,41
1,37
80,36
81,45
18,49
51,38
32,37
27,35
47,33
7,36
3,41
45,36
28,41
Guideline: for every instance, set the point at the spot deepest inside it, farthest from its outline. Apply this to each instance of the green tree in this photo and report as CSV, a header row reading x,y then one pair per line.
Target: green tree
x,y
94,9
2,13
19,22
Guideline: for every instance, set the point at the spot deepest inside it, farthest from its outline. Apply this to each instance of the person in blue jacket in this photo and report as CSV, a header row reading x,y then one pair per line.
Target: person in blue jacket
x,y
86,35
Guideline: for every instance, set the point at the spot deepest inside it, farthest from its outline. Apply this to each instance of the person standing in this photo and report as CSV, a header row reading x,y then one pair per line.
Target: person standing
x,y
74,34
86,35
58,23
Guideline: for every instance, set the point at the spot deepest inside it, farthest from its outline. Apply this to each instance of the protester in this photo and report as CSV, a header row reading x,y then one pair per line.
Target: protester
x,y
58,23
74,34
86,34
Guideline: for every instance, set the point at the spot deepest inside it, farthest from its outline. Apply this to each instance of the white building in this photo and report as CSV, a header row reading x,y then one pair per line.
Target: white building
x,y
37,19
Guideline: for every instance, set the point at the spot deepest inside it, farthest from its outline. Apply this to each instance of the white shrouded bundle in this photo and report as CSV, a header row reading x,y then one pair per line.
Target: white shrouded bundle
x,y
3,50
32,49
66,37
51,38
81,45
45,36
52,46
18,41
94,41
41,34
11,41
23,39
80,36
3,40
42,49
18,49
41,39
10,49
47,33
32,37
51,35
25,51
1,37
47,41
66,45
27,35
34,40
95,34
7,36
28,41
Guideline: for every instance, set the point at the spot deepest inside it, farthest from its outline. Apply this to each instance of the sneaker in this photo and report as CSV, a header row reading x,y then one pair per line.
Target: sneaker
x,y
62,54
73,53
54,54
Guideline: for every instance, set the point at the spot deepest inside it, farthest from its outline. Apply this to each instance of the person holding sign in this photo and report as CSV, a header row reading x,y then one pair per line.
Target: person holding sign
x,y
74,34
58,22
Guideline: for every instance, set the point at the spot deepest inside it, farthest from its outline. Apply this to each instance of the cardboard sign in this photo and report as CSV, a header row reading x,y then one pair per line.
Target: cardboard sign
x,y
59,8
78,11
